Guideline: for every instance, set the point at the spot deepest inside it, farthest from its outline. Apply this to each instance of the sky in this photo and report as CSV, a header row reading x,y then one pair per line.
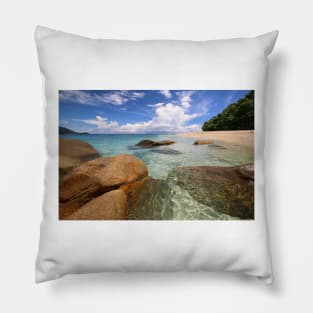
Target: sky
x,y
141,111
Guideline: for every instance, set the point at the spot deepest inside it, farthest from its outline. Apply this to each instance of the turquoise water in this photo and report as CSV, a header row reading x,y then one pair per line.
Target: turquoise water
x,y
159,165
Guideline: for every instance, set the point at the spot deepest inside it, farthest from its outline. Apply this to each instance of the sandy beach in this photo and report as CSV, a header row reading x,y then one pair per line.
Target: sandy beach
x,y
240,137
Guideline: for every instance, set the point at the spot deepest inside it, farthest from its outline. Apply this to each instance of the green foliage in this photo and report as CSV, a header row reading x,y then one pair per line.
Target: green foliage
x,y
237,116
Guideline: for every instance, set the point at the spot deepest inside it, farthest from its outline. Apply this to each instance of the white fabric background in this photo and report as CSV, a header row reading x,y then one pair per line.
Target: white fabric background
x,y
289,125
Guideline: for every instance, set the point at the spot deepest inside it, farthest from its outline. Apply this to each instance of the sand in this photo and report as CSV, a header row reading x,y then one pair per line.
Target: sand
x,y
243,138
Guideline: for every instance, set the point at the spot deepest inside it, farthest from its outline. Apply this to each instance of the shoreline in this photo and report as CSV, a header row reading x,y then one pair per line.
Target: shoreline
x,y
243,138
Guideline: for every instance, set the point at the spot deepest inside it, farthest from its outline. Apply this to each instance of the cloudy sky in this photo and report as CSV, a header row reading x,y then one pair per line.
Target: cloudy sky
x,y
141,111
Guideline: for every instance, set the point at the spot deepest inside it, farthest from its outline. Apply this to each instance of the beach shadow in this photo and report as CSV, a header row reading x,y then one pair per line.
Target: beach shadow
x,y
274,114
135,282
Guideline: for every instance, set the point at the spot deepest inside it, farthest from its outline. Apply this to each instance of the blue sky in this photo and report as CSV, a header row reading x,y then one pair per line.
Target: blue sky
x,y
141,111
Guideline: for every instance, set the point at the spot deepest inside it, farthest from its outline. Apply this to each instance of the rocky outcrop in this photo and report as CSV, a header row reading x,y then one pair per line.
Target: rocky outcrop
x,y
203,142
72,152
109,206
228,190
94,178
150,143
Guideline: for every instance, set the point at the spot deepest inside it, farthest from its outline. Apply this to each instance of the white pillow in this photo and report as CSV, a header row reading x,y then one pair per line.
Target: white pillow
x,y
72,63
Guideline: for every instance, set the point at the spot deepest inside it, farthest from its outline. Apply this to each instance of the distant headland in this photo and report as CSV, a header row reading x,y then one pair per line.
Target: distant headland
x,y
67,131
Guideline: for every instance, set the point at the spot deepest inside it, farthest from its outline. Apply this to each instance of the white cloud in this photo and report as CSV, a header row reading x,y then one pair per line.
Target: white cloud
x,y
185,98
102,123
169,117
156,105
63,123
77,96
118,97
166,93
114,98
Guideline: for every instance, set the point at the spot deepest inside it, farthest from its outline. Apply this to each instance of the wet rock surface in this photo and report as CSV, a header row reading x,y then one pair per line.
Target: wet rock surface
x,y
229,190
215,146
150,143
150,199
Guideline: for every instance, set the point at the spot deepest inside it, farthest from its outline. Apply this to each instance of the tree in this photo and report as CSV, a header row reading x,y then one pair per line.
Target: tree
x,y
237,116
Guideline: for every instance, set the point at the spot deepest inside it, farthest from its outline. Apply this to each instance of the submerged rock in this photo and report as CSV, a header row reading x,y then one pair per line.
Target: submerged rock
x,y
213,145
72,152
149,199
226,189
146,143
109,206
166,151
203,142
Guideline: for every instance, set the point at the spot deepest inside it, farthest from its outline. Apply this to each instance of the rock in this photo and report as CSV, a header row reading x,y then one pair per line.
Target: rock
x,y
149,199
225,189
76,190
69,207
163,143
150,143
145,143
247,170
203,142
72,152
166,151
93,178
109,206
213,145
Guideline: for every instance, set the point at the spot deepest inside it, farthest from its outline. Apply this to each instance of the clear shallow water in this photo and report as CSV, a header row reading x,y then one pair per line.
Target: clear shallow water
x,y
159,165
181,205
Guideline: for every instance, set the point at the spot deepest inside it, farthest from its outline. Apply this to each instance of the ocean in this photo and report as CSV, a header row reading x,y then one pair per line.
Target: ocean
x,y
161,160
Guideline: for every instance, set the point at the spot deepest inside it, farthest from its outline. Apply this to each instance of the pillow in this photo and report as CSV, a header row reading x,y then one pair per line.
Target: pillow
x,y
155,155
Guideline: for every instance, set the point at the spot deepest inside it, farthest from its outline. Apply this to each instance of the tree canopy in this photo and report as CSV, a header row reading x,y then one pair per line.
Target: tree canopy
x,y
237,116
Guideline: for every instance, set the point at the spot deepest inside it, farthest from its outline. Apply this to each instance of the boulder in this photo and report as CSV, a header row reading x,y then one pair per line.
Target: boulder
x,y
76,190
203,142
93,178
72,152
228,190
163,143
146,143
109,206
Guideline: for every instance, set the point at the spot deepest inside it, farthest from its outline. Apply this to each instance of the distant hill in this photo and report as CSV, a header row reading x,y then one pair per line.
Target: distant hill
x,y
67,131
237,116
